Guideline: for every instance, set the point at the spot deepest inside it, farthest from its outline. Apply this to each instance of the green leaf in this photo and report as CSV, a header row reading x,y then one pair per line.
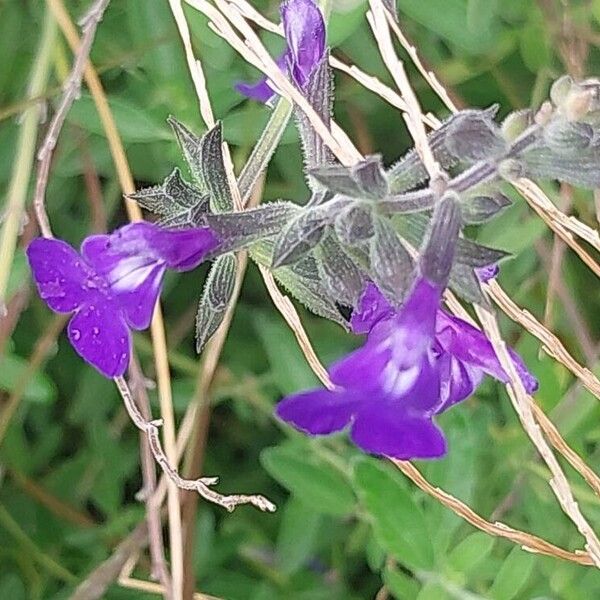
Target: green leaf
x,y
244,126
448,18
513,575
400,584
288,365
319,485
398,523
298,534
345,18
534,47
133,121
19,273
39,387
471,552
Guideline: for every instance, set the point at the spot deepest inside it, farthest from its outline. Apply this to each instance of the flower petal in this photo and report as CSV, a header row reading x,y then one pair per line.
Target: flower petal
x,y
304,30
63,279
372,308
138,303
261,90
471,346
389,431
458,381
100,336
179,249
319,412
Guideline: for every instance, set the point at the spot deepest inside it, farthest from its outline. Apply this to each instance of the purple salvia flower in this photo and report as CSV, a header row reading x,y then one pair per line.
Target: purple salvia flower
x,y
388,390
304,30
418,361
113,285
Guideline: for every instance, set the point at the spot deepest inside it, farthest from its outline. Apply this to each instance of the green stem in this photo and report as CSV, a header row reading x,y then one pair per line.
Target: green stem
x,y
17,192
49,564
264,148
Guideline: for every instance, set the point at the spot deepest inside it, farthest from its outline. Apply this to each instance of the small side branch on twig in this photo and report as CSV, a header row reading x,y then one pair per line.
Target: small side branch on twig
x,y
202,485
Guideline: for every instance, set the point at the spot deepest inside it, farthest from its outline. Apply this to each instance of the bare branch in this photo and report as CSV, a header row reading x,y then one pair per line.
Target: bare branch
x,y
72,86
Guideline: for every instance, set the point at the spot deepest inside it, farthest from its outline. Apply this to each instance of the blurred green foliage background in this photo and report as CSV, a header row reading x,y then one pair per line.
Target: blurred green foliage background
x,y
346,524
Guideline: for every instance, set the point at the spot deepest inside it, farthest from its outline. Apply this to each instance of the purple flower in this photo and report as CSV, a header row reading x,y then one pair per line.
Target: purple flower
x,y
388,390
304,30
113,285
417,362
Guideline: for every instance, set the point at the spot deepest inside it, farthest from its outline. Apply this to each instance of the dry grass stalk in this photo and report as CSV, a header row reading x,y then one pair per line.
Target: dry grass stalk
x,y
550,343
523,406
534,195
526,540
414,115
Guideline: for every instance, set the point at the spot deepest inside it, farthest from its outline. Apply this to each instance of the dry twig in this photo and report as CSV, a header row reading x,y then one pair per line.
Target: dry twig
x,y
202,485
89,24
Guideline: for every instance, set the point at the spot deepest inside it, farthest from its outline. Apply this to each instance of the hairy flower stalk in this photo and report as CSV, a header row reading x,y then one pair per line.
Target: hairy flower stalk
x,y
113,285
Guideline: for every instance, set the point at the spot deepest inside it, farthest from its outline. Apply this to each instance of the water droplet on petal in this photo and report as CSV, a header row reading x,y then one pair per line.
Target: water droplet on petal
x,y
76,334
95,331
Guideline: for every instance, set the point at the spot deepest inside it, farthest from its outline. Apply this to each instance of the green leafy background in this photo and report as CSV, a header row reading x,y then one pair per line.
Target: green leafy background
x,y
347,524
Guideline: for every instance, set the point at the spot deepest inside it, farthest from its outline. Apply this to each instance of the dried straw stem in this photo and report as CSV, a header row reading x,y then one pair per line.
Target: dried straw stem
x,y
523,405
526,540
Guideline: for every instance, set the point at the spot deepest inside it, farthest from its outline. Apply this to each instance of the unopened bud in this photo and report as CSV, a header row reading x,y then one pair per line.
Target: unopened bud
x,y
578,104
560,90
516,123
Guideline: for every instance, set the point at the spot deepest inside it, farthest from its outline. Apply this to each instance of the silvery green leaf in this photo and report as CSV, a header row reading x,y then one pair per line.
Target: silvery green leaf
x,y
319,93
302,281
408,202
391,266
340,275
204,157
300,235
172,199
465,283
409,171
568,138
336,179
237,230
472,254
370,176
191,147
436,255
469,253
216,295
354,224
265,147
472,135
363,180
481,208
580,170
